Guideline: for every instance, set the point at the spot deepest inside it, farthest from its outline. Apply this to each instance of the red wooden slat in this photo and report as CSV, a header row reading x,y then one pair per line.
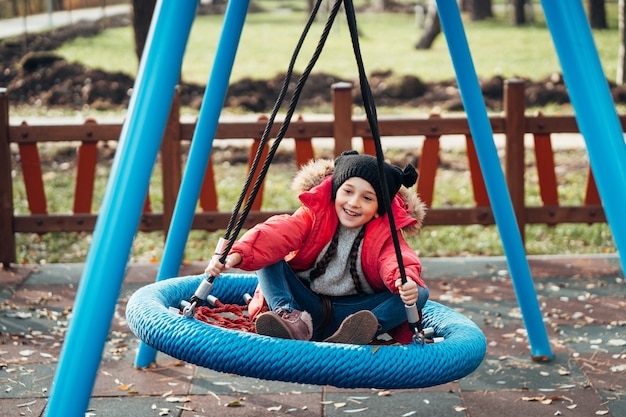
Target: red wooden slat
x,y
85,177
546,170
369,147
258,200
208,192
304,148
147,205
478,183
33,178
592,197
427,167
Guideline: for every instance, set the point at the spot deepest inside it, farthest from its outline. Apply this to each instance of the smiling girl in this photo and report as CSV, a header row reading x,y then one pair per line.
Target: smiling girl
x,y
329,271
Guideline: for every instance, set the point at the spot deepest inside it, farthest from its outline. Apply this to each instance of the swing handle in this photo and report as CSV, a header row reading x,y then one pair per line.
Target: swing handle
x,y
188,308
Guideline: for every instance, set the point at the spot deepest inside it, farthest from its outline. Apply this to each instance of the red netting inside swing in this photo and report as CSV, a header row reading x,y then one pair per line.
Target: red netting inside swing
x,y
228,316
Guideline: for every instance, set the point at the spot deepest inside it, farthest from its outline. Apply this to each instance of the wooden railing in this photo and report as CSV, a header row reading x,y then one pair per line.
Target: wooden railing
x,y
513,124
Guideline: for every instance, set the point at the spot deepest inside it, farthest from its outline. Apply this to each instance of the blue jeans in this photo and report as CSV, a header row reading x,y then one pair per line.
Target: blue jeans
x,y
283,288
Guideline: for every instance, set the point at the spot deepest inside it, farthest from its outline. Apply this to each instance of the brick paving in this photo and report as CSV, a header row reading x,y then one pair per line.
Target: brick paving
x,y
582,299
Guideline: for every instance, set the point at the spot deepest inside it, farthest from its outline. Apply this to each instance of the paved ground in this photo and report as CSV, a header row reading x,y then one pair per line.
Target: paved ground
x,y
582,299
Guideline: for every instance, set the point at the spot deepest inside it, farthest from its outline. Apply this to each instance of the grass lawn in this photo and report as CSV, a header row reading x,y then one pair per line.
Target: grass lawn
x,y
387,43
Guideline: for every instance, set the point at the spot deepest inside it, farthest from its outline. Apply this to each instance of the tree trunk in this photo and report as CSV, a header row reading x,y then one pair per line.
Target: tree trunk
x,y
523,12
14,9
432,27
481,10
597,14
464,5
519,17
621,59
142,15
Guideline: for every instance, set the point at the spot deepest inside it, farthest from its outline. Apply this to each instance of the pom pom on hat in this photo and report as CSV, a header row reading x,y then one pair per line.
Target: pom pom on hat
x,y
352,164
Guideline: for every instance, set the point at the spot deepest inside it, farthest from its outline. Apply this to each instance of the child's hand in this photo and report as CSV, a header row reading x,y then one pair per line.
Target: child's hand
x,y
408,291
215,267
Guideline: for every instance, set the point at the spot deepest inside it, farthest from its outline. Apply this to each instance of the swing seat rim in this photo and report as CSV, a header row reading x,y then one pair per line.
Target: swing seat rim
x,y
246,354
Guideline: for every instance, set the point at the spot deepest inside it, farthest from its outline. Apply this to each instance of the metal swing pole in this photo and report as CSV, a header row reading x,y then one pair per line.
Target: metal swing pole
x,y
494,178
121,208
595,111
199,152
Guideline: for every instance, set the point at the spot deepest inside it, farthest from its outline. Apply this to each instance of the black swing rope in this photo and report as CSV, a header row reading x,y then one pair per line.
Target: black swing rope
x,y
233,230
414,315
230,235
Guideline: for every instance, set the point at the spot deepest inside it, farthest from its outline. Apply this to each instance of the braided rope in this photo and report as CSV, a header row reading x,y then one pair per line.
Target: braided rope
x,y
318,363
228,316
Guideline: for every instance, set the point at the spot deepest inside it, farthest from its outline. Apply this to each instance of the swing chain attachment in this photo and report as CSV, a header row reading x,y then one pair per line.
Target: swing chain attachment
x,y
201,295
421,335
424,336
188,308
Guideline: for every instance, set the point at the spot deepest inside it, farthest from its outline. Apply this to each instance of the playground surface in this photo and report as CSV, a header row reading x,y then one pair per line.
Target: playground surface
x,y
582,300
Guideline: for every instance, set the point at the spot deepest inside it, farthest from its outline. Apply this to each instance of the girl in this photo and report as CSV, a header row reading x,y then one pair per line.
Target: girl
x,y
329,271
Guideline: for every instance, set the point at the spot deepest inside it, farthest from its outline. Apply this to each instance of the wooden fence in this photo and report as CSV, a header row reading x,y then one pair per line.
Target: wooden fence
x,y
512,123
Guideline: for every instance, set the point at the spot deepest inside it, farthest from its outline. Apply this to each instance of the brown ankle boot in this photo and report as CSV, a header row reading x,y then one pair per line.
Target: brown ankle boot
x,y
296,325
356,329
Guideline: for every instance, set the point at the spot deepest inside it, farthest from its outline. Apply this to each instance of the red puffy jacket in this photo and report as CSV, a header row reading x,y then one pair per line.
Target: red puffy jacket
x,y
299,238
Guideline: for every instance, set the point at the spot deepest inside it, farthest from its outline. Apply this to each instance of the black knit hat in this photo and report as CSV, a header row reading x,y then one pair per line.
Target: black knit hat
x,y
352,164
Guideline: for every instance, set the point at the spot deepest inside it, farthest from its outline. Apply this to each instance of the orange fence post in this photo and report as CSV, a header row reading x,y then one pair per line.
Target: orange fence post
x,y
342,111
514,110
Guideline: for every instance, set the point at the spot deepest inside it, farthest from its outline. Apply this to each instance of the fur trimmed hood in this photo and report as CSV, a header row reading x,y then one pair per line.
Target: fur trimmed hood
x,y
314,172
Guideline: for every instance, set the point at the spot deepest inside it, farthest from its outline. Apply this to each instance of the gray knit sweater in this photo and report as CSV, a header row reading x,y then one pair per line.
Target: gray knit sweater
x,y
337,281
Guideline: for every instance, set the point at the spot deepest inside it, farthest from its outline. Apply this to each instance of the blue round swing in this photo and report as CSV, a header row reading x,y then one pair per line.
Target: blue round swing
x,y
317,363
248,354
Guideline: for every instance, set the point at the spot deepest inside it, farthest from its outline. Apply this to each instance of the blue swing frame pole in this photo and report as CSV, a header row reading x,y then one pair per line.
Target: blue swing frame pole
x,y
140,139
494,178
199,152
595,111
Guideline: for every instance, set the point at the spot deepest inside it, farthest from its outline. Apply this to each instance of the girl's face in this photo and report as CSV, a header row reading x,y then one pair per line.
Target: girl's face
x,y
356,202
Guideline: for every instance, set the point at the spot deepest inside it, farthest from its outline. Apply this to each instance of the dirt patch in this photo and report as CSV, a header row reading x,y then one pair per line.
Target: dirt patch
x,y
35,76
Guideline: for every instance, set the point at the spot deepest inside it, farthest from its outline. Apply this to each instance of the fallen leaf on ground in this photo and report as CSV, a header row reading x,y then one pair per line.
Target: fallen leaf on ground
x,y
616,342
178,399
